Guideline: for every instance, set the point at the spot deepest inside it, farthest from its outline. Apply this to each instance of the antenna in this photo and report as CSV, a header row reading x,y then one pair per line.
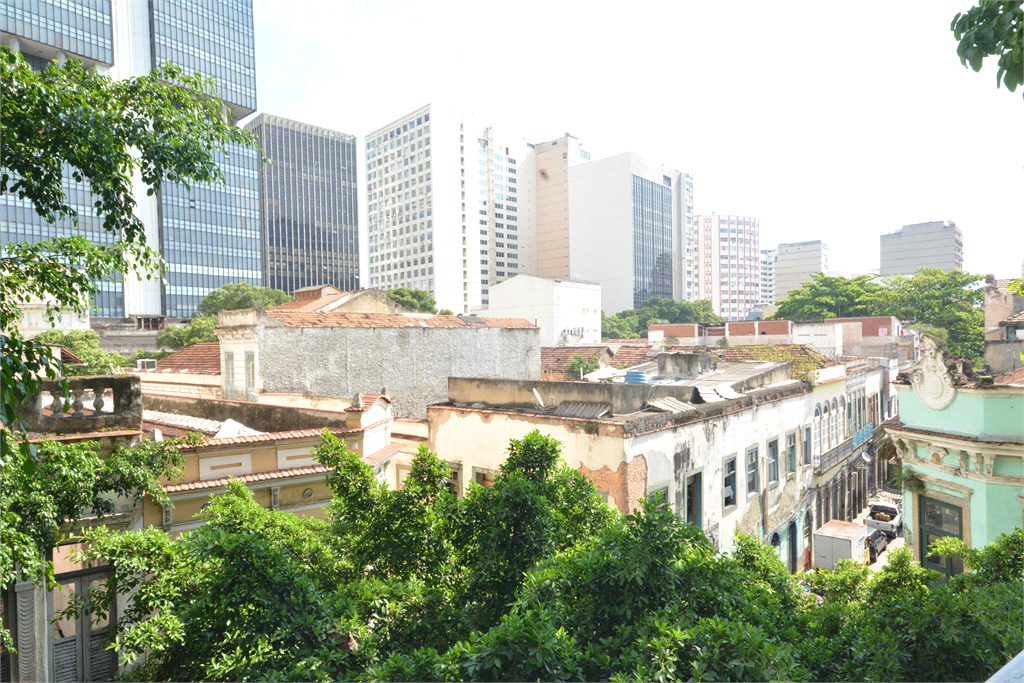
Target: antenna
x,y
536,397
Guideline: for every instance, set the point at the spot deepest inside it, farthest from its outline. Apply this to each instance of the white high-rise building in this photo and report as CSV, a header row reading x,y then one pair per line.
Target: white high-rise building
x,y
447,209
767,278
795,263
728,262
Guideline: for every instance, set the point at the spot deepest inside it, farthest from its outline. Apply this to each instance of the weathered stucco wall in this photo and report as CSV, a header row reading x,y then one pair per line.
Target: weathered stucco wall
x,y
1003,355
413,363
258,416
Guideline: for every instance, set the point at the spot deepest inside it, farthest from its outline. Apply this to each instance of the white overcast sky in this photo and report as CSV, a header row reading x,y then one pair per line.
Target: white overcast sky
x,y
828,120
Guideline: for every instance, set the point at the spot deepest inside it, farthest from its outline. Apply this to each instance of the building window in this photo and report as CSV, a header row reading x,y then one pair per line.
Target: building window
x,y
250,376
834,424
807,445
825,443
729,484
773,461
939,519
229,375
791,452
752,471
817,430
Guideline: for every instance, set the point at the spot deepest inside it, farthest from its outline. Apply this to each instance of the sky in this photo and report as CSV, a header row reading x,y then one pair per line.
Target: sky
x,y
832,121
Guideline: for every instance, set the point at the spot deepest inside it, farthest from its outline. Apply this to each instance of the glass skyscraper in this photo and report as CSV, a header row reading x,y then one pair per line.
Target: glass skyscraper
x,y
309,222
208,235
652,240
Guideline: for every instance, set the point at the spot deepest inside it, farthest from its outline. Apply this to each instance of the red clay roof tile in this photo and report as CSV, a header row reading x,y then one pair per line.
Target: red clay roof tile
x,y
200,359
557,358
372,320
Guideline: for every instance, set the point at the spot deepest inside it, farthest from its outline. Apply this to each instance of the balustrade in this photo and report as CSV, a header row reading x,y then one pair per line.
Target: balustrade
x,y
67,412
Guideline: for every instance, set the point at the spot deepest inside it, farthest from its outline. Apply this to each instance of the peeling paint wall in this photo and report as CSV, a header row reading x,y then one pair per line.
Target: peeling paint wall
x,y
413,363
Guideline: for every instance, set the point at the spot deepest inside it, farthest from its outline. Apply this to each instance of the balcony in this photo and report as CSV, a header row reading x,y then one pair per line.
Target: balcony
x,y
840,453
87,407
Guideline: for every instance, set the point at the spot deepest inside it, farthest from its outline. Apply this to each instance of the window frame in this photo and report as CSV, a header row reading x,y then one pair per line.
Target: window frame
x,y
772,463
752,458
791,459
726,507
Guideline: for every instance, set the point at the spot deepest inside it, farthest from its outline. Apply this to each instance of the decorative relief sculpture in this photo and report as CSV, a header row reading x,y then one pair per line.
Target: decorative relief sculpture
x,y
931,379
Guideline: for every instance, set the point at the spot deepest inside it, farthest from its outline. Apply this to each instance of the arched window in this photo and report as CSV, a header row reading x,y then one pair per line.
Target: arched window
x,y
826,444
835,423
816,439
843,431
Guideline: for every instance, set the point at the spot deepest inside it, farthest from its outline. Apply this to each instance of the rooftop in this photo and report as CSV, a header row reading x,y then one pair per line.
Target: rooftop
x,y
1014,378
377,320
199,359
804,358
557,358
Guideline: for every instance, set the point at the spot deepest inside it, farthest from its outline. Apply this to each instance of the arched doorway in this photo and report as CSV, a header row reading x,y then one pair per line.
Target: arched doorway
x,y
791,533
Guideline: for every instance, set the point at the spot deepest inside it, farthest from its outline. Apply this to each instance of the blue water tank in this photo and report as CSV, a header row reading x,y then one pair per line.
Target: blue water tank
x,y
637,377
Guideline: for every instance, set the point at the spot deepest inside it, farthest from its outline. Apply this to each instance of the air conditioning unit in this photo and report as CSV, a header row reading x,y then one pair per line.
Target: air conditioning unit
x,y
145,364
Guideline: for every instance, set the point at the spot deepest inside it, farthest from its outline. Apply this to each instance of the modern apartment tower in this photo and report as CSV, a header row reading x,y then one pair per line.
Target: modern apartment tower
x,y
936,244
794,264
309,223
768,257
728,263
618,221
446,209
209,235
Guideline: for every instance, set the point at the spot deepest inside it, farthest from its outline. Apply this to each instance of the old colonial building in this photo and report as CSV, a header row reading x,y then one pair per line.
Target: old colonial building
x,y
960,439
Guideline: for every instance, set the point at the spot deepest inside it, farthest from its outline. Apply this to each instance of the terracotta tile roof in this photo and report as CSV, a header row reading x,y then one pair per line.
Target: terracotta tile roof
x,y
383,454
1003,285
309,305
165,429
1013,378
247,478
371,320
1016,318
804,358
368,401
68,358
273,436
641,341
199,359
557,358
628,355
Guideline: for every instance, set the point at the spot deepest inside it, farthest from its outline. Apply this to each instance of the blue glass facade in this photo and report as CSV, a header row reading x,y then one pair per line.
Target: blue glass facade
x,y
308,211
652,240
77,27
214,38
211,233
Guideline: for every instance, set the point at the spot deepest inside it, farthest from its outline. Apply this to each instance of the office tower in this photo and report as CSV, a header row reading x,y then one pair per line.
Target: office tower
x,y
794,264
936,244
309,228
617,221
442,194
208,236
767,289
728,263
686,288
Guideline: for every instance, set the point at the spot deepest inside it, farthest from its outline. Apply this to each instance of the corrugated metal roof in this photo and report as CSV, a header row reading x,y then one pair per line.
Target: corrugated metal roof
x,y
669,404
726,391
709,395
582,409
198,424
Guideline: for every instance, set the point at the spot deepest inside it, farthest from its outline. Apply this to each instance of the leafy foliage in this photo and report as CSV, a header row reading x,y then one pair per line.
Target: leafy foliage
x,y
166,126
633,324
200,329
415,299
828,296
235,296
992,28
86,345
580,366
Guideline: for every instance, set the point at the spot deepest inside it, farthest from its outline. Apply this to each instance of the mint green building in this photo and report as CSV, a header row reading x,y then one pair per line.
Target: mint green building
x,y
961,442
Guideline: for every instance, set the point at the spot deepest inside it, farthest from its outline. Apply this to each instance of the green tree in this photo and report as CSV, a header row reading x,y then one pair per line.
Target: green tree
x,y
580,366
634,323
86,345
949,300
992,28
235,296
200,329
828,296
414,299
166,126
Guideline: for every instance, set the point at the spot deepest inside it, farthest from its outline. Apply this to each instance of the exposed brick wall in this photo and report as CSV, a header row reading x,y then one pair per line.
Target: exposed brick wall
x,y
677,330
773,327
869,326
739,328
627,484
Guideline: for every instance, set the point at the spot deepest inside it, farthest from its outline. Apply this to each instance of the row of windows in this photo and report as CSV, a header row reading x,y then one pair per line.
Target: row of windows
x,y
792,456
79,27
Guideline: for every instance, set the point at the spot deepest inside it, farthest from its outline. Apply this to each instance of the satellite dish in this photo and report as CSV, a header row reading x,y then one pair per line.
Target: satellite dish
x,y
536,397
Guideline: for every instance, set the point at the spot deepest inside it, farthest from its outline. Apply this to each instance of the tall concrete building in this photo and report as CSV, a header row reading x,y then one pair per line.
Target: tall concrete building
x,y
936,244
447,209
209,235
794,264
728,263
308,205
620,221
767,276
624,227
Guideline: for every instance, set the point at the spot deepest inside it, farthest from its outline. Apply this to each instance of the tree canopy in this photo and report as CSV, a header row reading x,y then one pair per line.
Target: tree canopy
x,y
166,126
992,28
580,366
531,578
633,324
948,300
235,296
414,299
199,329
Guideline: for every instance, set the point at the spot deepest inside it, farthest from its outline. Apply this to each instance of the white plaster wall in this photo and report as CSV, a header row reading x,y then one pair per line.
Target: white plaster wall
x,y
552,305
